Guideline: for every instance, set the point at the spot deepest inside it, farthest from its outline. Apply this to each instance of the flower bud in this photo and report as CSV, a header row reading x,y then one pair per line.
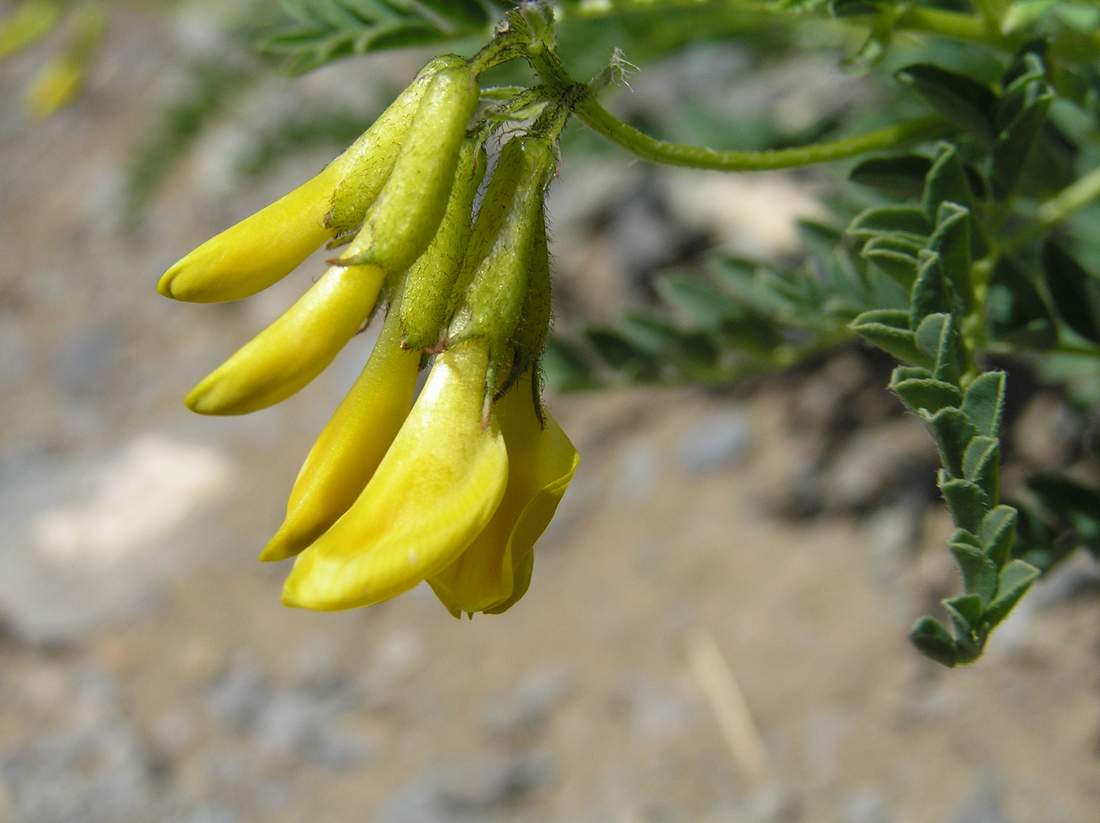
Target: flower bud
x,y
401,223
352,445
265,247
430,280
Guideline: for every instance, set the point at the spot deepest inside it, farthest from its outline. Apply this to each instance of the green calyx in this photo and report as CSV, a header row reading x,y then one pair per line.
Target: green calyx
x,y
491,296
401,224
431,278
367,164
533,329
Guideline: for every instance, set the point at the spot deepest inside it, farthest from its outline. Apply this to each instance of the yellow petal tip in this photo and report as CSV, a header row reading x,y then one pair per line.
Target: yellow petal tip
x,y
174,284
285,544
164,285
198,399
274,551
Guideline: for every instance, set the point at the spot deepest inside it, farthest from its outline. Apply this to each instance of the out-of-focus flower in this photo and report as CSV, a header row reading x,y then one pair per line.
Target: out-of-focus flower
x,y
31,20
57,83
54,86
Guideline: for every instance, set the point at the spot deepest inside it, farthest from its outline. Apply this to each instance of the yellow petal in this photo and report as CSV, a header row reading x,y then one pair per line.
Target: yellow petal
x,y
494,572
351,445
294,349
258,251
264,248
436,488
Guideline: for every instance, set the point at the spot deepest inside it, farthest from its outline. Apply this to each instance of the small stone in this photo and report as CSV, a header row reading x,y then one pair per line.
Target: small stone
x,y
639,471
70,563
84,358
1046,432
890,460
528,707
7,812
984,804
892,533
466,791
1077,578
865,806
172,732
292,725
483,784
656,713
92,773
237,696
716,442
17,348
773,804
209,814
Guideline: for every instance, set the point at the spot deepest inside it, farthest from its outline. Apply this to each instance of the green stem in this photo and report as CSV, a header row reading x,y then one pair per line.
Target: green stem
x,y
954,25
1069,200
650,148
584,104
1074,197
1075,349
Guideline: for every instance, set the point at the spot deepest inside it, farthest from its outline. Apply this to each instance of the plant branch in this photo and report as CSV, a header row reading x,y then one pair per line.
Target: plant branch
x,y
650,148
1074,197
582,99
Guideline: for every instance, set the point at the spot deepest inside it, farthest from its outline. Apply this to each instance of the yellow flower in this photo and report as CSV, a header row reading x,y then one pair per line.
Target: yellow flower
x,y
352,445
454,488
438,486
264,248
294,349
495,571
31,20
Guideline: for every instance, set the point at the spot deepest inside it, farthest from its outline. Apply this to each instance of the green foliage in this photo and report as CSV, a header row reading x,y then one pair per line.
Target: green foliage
x,y
210,89
974,287
948,265
742,317
319,31
963,248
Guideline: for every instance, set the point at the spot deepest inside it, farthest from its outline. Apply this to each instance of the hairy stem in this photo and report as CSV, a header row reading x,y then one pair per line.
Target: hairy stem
x,y
650,148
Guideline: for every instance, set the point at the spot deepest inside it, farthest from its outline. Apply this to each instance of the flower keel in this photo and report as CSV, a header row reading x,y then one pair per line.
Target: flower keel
x,y
434,492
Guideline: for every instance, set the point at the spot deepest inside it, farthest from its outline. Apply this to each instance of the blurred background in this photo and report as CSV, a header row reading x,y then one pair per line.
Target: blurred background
x,y
716,626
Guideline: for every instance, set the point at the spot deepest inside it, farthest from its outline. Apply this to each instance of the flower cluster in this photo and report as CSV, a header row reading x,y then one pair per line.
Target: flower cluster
x,y
454,485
